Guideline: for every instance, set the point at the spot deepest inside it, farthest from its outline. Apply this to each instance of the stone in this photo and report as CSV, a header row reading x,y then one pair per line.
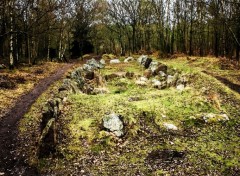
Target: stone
x,y
142,59
69,85
115,75
183,79
172,80
2,66
162,74
180,87
114,124
129,59
141,83
156,83
89,75
170,126
103,62
95,64
156,67
147,63
47,141
211,117
130,75
115,61
100,90
147,73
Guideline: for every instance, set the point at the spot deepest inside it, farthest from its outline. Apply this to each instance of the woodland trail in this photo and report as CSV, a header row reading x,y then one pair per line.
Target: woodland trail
x,y
12,163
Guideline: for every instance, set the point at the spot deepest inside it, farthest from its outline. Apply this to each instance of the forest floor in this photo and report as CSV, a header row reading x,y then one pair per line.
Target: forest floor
x,y
84,148
19,89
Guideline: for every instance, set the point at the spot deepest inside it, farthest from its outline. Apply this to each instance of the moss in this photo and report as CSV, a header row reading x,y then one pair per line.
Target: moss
x,y
210,149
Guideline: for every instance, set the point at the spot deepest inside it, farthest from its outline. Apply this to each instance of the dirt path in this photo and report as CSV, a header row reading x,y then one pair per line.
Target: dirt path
x,y
231,85
10,162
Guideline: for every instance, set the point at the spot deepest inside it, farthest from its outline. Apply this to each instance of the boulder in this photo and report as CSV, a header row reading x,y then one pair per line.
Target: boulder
x,y
114,124
147,63
69,85
115,61
142,59
95,64
47,141
156,67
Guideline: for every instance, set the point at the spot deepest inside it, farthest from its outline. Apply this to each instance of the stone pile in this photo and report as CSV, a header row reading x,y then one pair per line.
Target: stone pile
x,y
161,76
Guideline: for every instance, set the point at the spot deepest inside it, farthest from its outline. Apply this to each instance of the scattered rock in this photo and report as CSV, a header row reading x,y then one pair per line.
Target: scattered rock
x,y
114,124
170,126
141,83
156,67
156,83
183,79
69,85
180,87
142,59
147,63
115,75
2,66
130,75
129,59
103,62
172,80
115,61
95,64
100,90
211,117
47,141
147,73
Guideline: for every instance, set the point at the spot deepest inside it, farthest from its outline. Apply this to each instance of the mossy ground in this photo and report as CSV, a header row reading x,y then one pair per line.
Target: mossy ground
x,y
84,148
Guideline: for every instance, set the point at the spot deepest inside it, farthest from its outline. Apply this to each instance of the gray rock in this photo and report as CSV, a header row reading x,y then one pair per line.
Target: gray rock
x,y
183,79
100,90
142,59
129,59
114,124
180,87
156,67
170,126
211,117
95,64
172,80
102,61
115,75
115,61
69,85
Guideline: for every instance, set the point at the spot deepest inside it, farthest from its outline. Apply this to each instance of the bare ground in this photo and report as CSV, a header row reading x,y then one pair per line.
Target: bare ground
x,y
12,163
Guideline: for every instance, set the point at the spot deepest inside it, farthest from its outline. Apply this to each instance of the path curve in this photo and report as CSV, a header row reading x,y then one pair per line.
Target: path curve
x,y
10,163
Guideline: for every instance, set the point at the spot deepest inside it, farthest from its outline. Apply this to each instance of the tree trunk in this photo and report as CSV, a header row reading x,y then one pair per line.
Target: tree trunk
x,y
11,60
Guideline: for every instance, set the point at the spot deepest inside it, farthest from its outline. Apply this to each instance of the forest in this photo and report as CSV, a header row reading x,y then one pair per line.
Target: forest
x,y
119,87
33,30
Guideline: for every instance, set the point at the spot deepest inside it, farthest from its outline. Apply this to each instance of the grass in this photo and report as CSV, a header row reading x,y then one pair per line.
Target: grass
x,y
209,148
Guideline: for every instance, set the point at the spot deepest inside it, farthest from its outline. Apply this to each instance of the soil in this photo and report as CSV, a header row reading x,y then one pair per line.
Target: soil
x,y
11,162
231,85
